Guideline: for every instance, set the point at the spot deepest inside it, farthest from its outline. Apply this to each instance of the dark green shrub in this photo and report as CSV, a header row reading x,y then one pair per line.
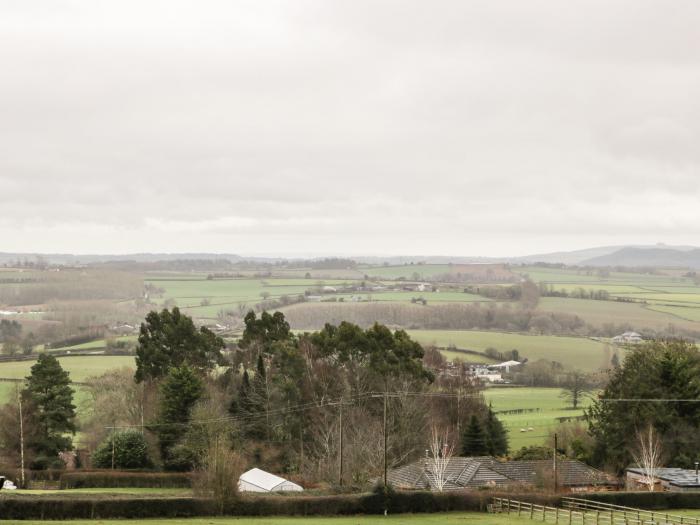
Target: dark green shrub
x,y
130,451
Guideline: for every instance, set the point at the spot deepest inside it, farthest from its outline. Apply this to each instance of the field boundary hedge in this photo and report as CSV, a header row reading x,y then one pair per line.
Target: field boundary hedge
x,y
103,506
124,479
648,500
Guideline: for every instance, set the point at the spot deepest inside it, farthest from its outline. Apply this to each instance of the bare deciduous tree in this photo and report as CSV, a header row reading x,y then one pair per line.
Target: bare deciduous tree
x,y
441,451
648,455
219,477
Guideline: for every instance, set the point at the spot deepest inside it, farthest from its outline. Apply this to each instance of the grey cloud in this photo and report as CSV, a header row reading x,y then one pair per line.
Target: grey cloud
x,y
479,127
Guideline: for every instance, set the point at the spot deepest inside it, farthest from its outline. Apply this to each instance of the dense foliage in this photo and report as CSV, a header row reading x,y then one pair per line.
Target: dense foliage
x,y
667,374
51,397
171,339
123,450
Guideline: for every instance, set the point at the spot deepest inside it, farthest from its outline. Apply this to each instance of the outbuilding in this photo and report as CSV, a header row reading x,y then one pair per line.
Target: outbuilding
x,y
257,480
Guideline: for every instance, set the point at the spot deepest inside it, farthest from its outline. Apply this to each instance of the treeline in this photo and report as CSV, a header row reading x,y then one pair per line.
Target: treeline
x,y
279,401
515,317
73,285
454,316
548,290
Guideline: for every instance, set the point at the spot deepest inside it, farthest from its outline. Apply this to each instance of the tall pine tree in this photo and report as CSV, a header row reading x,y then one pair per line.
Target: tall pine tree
x,y
474,439
179,391
496,435
48,388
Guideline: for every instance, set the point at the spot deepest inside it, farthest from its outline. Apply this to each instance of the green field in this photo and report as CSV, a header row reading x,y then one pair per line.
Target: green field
x,y
79,367
573,352
598,313
407,271
547,400
455,518
688,313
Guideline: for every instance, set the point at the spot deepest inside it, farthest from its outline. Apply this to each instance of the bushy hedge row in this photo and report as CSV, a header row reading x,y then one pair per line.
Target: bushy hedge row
x,y
55,508
123,479
105,506
649,500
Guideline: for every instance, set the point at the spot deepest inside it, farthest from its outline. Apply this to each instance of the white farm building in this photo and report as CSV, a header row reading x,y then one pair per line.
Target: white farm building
x,y
256,480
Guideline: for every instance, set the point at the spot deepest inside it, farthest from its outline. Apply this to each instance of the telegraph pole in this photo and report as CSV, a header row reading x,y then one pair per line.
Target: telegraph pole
x,y
113,453
21,436
554,458
385,442
340,452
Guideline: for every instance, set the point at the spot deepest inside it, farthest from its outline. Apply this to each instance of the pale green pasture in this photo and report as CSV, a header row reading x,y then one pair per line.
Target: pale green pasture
x,y
601,312
79,367
548,400
573,352
688,313
431,297
666,298
424,271
594,287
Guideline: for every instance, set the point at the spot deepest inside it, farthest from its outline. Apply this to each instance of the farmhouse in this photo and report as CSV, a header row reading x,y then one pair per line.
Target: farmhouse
x,y
628,338
665,479
486,471
505,366
257,480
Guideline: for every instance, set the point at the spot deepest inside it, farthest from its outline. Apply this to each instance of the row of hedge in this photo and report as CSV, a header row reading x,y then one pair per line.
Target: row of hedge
x,y
649,500
124,479
110,507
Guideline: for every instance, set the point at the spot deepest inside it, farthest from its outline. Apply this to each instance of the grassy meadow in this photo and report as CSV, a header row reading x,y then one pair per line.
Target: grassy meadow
x,y
573,352
547,400
79,367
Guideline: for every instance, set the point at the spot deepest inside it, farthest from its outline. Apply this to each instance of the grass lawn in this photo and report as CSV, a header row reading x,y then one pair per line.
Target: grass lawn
x,y
455,518
573,352
546,399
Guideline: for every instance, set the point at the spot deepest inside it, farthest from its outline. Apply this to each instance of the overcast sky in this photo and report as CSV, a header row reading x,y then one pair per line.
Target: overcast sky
x,y
348,127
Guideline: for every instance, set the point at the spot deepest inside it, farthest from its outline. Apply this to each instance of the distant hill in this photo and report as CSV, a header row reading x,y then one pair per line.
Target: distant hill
x,y
682,257
623,255
570,258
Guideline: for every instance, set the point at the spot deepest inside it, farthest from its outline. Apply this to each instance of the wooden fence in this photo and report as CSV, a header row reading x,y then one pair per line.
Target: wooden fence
x,y
578,511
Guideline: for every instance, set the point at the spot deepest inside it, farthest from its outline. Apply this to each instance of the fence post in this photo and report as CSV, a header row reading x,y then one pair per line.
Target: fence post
x,y
508,505
532,510
519,507
597,517
544,512
556,515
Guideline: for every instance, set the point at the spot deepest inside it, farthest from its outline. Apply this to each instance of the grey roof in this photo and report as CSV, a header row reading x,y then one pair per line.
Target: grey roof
x,y
474,472
679,477
461,473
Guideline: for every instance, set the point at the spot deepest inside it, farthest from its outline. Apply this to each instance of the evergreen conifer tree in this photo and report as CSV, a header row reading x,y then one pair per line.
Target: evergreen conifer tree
x,y
48,388
180,390
496,435
474,439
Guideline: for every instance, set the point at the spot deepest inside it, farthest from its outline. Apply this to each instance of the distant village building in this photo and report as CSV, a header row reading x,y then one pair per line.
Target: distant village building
x,y
627,338
665,479
257,480
482,472
505,366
